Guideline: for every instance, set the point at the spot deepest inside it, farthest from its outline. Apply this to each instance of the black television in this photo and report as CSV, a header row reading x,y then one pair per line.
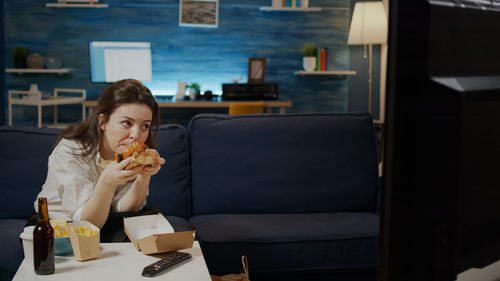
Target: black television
x,y
441,185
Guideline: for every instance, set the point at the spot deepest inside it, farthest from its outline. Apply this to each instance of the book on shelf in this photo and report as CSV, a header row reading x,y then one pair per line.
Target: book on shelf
x,y
323,53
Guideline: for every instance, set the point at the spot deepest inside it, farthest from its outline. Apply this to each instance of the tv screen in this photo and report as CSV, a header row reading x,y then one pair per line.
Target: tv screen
x,y
441,210
113,61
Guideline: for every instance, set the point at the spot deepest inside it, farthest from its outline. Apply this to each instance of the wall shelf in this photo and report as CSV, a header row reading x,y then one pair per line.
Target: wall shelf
x,y
291,9
326,72
76,5
20,71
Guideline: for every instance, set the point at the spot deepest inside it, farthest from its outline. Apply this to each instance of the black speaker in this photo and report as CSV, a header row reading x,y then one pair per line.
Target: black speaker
x,y
250,91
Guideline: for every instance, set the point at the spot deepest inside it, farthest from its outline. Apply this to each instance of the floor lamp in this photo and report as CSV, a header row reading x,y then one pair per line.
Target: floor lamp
x,y
368,27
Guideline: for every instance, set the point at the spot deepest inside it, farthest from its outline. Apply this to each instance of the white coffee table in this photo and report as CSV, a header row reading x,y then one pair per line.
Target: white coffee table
x,y
119,261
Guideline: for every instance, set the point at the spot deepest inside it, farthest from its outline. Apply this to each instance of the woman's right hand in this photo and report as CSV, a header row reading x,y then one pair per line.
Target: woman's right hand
x,y
115,173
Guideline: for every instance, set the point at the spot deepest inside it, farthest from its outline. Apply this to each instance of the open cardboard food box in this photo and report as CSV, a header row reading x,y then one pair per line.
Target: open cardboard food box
x,y
153,234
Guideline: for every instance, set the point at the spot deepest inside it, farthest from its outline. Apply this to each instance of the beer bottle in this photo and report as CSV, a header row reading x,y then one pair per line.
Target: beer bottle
x,y
43,241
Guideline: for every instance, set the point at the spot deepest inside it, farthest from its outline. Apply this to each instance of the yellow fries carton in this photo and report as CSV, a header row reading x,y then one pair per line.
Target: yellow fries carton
x,y
153,234
85,240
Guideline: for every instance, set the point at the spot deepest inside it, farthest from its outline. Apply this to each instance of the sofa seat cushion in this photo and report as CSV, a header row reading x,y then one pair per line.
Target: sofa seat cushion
x,y
12,248
288,242
179,224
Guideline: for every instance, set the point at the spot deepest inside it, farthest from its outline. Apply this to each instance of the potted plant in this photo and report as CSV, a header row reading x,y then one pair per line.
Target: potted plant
x,y
309,59
19,55
194,90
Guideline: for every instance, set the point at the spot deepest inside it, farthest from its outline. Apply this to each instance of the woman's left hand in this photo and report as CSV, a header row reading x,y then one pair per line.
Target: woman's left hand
x,y
148,170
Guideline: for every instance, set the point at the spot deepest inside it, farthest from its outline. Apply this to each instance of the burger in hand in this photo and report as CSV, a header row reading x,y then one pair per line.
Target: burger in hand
x,y
140,155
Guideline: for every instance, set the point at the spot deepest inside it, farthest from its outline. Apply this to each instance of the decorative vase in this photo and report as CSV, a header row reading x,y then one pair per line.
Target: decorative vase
x,y
35,61
309,63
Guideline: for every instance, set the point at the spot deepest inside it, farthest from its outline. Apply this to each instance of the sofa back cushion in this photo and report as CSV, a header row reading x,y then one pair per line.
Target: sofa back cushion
x,y
169,189
283,163
24,155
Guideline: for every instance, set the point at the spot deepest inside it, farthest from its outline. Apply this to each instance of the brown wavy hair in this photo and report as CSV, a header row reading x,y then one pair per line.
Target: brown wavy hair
x,y
127,91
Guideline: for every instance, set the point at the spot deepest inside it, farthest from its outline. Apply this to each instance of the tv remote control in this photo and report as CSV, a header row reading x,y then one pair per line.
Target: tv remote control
x,y
167,262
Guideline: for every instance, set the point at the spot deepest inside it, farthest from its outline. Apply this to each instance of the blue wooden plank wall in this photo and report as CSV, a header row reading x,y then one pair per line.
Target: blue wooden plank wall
x,y
208,56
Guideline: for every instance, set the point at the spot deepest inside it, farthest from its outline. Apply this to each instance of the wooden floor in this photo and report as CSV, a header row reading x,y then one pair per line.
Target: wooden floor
x,y
488,273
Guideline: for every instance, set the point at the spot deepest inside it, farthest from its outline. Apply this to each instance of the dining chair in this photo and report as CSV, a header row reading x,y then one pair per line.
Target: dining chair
x,y
240,108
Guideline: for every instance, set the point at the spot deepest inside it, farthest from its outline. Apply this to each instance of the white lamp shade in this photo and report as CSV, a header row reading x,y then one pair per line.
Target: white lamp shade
x,y
368,24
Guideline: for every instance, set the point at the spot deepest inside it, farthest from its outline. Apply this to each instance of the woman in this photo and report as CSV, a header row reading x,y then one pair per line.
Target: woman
x,y
77,187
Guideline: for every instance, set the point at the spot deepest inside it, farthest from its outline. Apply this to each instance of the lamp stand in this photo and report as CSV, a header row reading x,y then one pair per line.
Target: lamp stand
x,y
370,78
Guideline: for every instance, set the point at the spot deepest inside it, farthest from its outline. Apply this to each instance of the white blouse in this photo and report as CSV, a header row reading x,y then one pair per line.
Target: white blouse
x,y
71,180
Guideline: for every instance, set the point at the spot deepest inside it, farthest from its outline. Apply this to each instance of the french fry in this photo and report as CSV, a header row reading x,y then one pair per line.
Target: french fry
x,y
60,226
85,231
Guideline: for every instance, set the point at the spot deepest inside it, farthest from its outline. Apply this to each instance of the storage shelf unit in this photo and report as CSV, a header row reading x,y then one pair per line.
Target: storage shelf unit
x,y
20,71
34,98
291,9
326,72
76,5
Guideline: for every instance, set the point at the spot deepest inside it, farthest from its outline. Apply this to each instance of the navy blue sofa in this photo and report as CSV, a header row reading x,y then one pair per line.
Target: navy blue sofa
x,y
297,194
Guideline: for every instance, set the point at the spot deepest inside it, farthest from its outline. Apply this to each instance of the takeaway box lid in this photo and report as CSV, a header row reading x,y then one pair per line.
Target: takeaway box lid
x,y
153,234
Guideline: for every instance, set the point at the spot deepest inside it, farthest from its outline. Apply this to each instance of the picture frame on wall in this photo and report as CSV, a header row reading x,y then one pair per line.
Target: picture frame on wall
x,y
199,13
256,70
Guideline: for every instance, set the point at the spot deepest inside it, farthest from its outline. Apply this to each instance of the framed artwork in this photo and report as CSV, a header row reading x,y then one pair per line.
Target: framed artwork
x,y
199,13
256,70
